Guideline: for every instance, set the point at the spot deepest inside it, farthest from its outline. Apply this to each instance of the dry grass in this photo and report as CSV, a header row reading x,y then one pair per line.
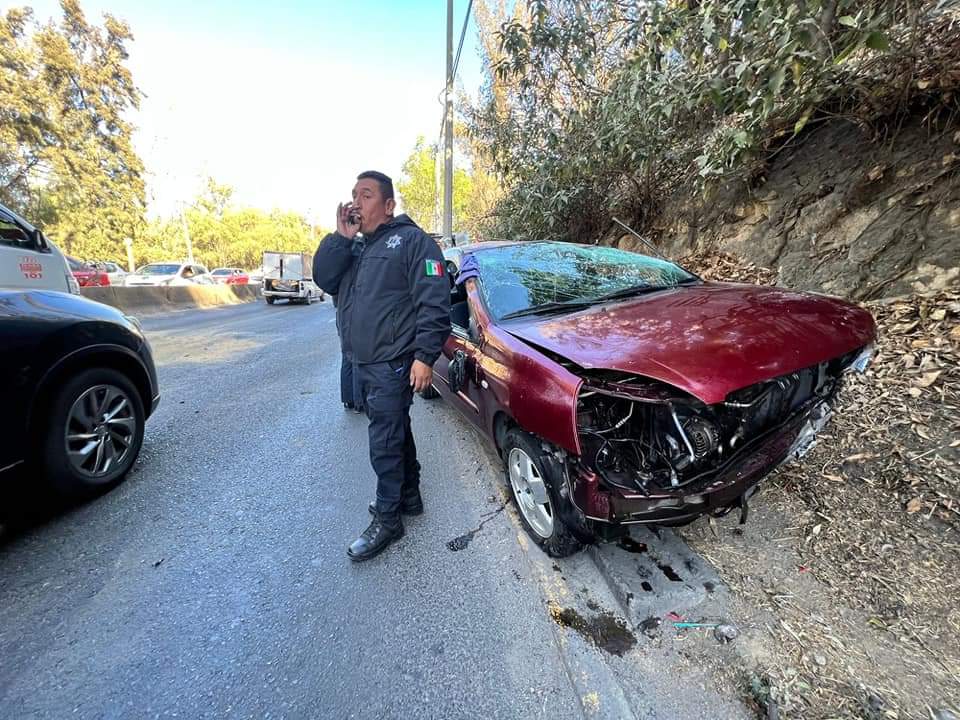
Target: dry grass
x,y
850,566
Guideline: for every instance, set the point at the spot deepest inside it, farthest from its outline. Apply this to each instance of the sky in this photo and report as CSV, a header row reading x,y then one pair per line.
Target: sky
x,y
285,101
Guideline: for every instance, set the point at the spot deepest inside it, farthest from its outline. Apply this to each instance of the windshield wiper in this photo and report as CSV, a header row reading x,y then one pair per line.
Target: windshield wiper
x,y
638,290
547,308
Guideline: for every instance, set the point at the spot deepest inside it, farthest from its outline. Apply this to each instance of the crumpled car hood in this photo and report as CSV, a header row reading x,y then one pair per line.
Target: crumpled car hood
x,y
707,339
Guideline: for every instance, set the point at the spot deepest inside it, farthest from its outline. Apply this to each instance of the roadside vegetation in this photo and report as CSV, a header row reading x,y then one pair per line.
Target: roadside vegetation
x,y
68,162
618,108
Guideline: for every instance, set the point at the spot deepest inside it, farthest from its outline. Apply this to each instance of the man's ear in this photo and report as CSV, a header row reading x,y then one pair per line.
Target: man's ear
x,y
390,206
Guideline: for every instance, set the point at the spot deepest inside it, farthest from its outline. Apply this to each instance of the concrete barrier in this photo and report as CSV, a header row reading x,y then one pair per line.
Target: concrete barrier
x,y
145,300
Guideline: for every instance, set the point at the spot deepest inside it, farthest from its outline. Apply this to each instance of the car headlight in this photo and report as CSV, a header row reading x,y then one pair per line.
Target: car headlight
x,y
862,361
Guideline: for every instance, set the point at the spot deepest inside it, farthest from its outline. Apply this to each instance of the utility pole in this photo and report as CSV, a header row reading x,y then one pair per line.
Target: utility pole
x,y
186,234
130,265
448,136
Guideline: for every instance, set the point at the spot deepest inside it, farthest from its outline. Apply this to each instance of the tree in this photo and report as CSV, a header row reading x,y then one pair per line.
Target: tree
x,y
418,189
614,107
224,235
66,151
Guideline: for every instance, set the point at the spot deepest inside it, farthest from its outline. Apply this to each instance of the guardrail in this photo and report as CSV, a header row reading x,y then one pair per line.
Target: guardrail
x,y
159,299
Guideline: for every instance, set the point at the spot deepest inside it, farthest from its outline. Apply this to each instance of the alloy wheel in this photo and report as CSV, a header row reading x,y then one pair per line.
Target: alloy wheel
x,y
100,432
531,492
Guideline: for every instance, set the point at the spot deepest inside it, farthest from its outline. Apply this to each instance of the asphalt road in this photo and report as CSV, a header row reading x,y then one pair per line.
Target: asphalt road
x,y
215,582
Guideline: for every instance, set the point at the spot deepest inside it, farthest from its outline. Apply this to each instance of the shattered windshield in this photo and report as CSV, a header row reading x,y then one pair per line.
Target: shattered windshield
x,y
516,278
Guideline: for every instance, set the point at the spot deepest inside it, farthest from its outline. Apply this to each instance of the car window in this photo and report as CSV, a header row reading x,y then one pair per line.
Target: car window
x,y
75,265
11,234
159,269
199,269
527,275
221,271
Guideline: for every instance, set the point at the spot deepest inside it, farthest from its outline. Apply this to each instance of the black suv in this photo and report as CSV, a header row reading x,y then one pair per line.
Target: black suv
x,y
78,385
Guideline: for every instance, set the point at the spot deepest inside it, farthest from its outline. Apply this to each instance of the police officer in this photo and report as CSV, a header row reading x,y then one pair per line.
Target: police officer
x,y
393,308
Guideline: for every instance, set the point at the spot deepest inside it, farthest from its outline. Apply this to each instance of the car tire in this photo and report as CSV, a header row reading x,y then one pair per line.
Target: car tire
x,y
430,393
547,522
270,300
69,426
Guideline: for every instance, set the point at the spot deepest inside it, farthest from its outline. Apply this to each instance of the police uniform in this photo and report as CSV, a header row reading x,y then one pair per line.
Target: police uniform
x,y
393,307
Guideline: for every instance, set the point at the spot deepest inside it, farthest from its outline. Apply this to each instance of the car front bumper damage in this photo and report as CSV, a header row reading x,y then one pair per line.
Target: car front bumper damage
x,y
728,487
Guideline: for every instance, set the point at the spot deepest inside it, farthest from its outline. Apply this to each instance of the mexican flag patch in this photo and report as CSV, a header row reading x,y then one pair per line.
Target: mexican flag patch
x,y
434,268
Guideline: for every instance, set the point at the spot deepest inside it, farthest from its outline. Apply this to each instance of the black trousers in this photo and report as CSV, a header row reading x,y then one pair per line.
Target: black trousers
x,y
386,395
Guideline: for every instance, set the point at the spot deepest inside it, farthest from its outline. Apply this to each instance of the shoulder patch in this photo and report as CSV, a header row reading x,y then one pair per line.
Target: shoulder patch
x,y
434,268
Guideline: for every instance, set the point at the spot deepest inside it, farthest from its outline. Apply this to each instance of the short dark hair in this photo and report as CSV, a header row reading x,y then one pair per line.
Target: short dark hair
x,y
385,183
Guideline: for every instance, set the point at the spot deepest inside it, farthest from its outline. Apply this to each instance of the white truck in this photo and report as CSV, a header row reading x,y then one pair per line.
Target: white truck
x,y
289,275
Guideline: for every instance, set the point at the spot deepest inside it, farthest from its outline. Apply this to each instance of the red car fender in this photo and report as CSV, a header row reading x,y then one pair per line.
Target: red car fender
x,y
532,390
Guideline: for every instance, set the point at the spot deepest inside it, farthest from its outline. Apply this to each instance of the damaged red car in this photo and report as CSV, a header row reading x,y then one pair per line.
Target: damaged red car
x,y
620,388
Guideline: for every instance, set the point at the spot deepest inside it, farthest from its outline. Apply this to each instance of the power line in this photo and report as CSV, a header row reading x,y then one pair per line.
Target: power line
x,y
456,65
463,34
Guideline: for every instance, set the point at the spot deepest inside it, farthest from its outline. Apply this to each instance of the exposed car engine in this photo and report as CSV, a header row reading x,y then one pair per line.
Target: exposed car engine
x,y
646,437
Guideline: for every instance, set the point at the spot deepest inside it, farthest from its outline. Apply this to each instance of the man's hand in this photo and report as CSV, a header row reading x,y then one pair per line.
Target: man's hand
x,y
345,224
421,375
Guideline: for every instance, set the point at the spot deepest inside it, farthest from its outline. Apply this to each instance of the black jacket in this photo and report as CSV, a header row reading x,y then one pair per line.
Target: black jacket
x,y
393,298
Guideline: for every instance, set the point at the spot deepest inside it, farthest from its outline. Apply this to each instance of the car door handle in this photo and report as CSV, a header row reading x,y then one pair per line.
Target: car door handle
x,y
457,371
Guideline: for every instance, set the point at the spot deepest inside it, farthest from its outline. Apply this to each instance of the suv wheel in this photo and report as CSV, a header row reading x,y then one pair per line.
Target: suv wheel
x,y
94,433
535,488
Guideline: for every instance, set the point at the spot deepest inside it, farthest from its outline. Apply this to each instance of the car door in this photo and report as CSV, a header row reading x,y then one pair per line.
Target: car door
x,y
461,356
25,264
202,276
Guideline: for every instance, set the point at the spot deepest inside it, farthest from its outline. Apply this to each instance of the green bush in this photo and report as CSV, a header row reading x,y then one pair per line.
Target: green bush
x,y
614,107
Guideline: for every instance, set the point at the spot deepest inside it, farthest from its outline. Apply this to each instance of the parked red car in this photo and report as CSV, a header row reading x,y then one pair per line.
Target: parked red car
x,y
86,275
620,388
230,276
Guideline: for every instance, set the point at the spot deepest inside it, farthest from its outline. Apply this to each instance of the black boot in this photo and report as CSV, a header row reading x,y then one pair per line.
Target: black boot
x,y
375,539
409,505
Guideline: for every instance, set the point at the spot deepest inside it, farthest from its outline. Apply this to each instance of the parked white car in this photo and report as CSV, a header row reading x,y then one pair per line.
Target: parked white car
x,y
159,274
114,271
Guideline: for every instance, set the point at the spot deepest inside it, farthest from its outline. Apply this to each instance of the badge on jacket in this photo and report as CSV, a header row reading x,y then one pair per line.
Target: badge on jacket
x,y
393,242
434,268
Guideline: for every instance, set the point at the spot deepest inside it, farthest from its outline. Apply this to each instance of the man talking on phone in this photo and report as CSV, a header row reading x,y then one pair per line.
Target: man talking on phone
x,y
393,310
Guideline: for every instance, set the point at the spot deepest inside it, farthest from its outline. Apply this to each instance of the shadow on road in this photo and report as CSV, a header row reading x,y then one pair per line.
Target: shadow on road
x,y
26,505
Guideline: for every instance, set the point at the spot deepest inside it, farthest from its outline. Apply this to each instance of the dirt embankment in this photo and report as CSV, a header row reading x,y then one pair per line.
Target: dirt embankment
x,y
847,577
846,211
